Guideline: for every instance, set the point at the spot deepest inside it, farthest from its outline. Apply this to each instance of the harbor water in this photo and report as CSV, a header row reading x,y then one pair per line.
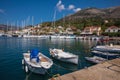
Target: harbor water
x,y
11,50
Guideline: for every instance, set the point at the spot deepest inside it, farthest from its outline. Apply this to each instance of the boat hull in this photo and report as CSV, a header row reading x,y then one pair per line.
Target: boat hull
x,y
37,70
59,54
39,67
107,49
73,60
96,61
105,55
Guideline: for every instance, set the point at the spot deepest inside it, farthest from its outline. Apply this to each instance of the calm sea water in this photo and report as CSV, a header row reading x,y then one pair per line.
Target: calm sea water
x,y
11,50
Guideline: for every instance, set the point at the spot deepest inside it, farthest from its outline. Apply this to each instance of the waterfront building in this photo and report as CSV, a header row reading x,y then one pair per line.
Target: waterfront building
x,y
91,30
113,29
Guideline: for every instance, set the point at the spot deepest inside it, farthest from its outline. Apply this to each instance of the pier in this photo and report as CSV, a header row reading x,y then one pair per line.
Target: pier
x,y
109,70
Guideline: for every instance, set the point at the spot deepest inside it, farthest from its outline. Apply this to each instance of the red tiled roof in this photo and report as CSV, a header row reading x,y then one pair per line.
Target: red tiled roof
x,y
113,27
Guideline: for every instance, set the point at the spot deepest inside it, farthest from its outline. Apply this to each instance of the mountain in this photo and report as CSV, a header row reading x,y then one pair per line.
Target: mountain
x,y
92,17
113,12
7,27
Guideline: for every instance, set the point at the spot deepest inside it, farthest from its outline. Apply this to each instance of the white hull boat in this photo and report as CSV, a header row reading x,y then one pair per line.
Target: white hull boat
x,y
64,56
107,48
95,59
70,37
39,64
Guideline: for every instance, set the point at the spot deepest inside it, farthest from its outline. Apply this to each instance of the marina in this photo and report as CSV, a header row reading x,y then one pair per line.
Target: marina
x,y
59,40
13,54
12,49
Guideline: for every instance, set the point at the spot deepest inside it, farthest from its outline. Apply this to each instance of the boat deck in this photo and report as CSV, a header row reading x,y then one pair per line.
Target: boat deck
x,y
42,59
109,70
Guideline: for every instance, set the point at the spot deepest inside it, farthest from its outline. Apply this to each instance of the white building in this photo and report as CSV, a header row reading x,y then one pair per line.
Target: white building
x,y
113,29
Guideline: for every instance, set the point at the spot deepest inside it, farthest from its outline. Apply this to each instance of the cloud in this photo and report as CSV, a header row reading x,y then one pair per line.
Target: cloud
x,y
60,6
59,3
2,11
77,9
71,7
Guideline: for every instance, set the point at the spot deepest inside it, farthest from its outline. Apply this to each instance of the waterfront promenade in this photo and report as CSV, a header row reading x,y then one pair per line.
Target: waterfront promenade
x,y
109,70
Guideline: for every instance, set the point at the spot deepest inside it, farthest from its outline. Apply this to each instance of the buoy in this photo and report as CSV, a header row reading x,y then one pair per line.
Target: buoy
x,y
26,69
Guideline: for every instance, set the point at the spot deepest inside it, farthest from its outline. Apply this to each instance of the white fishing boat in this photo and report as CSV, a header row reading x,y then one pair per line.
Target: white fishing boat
x,y
108,48
105,54
70,37
64,56
55,36
95,59
36,62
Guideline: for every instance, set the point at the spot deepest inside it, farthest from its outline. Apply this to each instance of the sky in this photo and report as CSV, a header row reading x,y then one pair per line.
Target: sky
x,y
19,12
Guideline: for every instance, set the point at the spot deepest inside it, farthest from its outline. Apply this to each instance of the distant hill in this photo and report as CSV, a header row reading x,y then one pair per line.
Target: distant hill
x,y
92,17
7,27
113,12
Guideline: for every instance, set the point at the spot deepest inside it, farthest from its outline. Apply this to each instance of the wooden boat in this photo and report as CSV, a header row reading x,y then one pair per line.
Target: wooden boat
x,y
95,59
36,62
64,56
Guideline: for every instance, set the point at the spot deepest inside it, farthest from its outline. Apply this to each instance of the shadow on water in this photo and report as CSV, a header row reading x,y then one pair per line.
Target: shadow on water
x,y
33,76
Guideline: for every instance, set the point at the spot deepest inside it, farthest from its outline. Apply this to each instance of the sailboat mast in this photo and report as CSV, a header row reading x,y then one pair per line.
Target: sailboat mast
x,y
32,20
54,18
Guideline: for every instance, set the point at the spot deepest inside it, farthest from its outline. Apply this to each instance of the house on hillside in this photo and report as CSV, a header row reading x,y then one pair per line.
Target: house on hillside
x,y
69,30
112,29
91,30
61,29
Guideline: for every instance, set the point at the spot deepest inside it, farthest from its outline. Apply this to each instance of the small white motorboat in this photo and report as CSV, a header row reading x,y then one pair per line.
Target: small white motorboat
x,y
36,62
95,59
105,54
64,56
107,48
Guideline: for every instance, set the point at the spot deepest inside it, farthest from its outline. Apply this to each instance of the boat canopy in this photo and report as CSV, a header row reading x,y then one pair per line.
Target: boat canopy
x,y
34,54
